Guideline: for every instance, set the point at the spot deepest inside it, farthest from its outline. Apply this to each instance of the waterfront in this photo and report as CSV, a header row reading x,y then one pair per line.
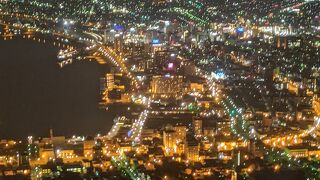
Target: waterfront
x,y
223,89
36,94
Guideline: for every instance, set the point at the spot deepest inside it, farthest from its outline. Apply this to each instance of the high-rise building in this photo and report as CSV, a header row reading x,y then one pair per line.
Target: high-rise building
x,y
114,88
169,141
197,126
113,81
192,148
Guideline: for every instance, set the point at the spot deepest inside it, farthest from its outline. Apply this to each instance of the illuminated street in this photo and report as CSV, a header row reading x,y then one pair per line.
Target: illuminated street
x,y
195,89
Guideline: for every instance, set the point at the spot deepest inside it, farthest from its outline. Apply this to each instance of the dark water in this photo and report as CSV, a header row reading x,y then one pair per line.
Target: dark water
x,y
35,94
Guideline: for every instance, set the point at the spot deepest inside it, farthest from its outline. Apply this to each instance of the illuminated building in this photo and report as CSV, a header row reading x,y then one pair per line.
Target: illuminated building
x,y
167,86
281,42
88,148
114,81
45,153
169,141
118,43
298,151
305,114
223,127
196,87
109,36
192,149
316,104
288,42
181,132
125,147
227,144
24,170
68,155
197,126
114,90
208,132
165,62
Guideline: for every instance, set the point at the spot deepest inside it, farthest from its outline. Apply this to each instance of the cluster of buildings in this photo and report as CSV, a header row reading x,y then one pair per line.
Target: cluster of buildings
x,y
232,99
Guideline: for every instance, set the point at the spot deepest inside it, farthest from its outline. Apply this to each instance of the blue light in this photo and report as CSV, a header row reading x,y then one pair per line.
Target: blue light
x,y
118,27
130,133
155,41
219,74
240,30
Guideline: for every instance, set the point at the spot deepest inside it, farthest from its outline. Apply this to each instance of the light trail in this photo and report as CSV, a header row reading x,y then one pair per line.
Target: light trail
x,y
118,123
137,127
119,62
190,16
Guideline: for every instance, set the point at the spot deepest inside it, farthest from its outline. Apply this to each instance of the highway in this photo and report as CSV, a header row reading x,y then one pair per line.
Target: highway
x,y
118,123
137,127
117,60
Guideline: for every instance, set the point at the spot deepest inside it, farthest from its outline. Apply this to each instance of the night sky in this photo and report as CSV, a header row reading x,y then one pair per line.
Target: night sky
x,y
35,94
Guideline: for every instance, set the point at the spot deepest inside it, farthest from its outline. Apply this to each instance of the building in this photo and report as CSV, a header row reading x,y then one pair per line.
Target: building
x,y
169,141
192,148
114,89
196,87
165,62
167,86
113,81
88,145
46,154
118,43
316,104
181,132
68,155
197,126
223,127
